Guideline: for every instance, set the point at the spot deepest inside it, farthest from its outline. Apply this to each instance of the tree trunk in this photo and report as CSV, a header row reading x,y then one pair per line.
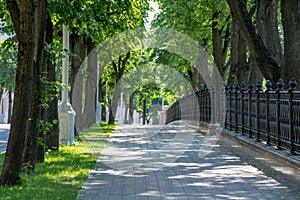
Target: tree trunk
x,y
78,47
89,113
291,23
10,101
33,130
126,113
23,21
267,27
263,58
119,69
111,116
130,120
239,68
144,111
234,54
220,47
101,99
51,138
103,103
193,77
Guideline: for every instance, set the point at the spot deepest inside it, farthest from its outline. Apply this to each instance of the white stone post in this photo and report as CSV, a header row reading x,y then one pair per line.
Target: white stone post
x,y
66,114
1,109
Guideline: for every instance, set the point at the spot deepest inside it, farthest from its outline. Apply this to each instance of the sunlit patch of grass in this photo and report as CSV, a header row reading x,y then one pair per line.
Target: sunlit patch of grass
x,y
63,173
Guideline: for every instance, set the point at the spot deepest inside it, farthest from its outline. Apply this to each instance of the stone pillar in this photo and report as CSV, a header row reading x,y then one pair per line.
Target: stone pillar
x,y
66,114
163,115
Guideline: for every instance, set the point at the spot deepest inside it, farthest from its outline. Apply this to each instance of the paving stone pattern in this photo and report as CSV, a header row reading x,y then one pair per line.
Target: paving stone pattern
x,y
142,162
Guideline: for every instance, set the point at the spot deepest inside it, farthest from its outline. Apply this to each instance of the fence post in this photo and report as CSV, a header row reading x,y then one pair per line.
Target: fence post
x,y
278,129
237,87
230,107
292,88
213,105
207,104
269,88
243,108
226,109
258,90
250,90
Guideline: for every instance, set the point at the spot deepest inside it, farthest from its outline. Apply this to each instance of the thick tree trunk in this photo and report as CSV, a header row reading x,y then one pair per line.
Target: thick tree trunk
x,y
52,138
267,64
33,130
89,113
239,68
255,75
23,21
291,23
267,27
78,47
234,54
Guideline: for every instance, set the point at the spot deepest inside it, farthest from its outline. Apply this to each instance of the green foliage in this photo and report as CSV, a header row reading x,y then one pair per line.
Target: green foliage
x,y
98,19
51,91
6,26
64,172
8,63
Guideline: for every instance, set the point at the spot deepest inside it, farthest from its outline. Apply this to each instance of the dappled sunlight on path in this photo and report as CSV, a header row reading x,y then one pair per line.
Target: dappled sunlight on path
x,y
163,162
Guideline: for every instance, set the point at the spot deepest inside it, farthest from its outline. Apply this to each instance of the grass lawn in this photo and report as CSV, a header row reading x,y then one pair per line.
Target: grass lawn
x,y
64,172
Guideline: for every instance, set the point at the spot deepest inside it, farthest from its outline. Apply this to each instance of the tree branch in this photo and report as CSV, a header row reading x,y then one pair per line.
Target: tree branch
x,y
262,57
14,11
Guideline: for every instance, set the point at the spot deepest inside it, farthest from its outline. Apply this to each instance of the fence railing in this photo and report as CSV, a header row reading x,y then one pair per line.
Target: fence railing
x,y
270,116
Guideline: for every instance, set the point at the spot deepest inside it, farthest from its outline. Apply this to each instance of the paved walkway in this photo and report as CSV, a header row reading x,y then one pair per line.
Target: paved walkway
x,y
4,132
169,162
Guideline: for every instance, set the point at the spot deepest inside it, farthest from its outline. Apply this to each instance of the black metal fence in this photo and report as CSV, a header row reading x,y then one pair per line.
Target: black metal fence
x,y
272,116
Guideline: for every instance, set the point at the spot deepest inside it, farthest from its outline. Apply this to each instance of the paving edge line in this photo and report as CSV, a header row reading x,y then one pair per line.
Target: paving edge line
x,y
269,150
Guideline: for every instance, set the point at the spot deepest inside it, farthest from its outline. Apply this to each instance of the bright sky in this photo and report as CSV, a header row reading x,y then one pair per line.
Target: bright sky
x,y
151,14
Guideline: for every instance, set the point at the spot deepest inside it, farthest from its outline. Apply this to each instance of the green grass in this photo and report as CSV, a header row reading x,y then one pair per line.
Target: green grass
x,y
64,172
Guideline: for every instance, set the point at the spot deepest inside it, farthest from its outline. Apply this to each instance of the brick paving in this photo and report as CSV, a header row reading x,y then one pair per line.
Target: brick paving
x,y
163,162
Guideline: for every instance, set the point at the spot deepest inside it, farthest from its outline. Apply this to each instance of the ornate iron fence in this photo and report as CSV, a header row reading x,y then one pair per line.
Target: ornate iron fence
x,y
272,116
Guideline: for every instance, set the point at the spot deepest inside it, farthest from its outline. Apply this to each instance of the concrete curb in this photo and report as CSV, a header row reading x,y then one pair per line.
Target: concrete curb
x,y
269,150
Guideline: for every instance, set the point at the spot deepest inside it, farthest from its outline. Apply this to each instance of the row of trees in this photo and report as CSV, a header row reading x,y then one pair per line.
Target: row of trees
x,y
37,29
248,39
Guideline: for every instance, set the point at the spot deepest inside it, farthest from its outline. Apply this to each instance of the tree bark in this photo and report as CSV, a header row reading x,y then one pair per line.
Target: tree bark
x,y
267,27
193,77
23,21
78,47
51,138
239,67
130,120
89,113
263,58
220,44
119,69
144,111
291,23
111,116
33,130
9,107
